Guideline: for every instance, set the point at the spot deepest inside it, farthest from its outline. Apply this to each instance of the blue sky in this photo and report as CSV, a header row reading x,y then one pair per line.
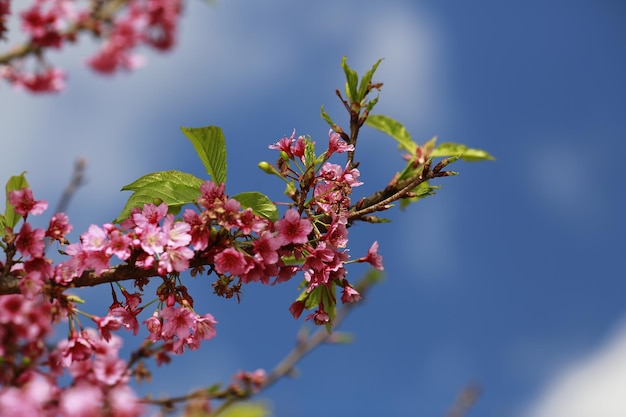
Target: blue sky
x,y
511,276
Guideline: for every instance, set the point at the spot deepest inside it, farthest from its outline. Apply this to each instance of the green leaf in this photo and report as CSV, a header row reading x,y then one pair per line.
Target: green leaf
x,y
246,409
372,277
352,80
423,190
394,129
456,149
309,152
16,182
210,146
174,188
260,204
3,225
366,79
314,298
371,104
326,117
330,301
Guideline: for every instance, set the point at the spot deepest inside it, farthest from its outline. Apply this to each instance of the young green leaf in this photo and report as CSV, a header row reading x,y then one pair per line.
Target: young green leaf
x,y
245,409
456,149
326,117
394,129
330,301
371,104
16,182
423,190
260,204
210,146
366,79
174,188
352,79
309,151
314,298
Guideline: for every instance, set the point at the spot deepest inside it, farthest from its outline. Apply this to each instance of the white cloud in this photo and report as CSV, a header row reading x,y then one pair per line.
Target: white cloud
x,y
592,386
228,51
410,43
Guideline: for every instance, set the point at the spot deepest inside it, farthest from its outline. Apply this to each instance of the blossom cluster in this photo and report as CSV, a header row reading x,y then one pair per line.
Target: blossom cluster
x,y
236,244
30,384
122,26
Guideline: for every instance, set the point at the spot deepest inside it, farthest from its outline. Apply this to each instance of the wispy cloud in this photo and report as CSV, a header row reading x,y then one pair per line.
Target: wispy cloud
x,y
592,386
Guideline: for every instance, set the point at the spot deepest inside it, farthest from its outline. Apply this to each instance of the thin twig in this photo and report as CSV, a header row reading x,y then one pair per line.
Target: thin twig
x,y
77,180
465,400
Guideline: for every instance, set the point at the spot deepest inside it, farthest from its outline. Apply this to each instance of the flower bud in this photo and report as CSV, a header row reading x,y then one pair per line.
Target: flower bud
x,y
268,168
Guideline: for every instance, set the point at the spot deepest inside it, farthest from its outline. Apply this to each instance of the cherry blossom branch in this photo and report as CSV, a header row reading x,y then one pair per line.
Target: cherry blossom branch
x,y
380,200
9,284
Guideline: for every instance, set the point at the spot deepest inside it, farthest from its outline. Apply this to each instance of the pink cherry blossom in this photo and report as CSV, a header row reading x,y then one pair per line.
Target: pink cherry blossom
x,y
336,144
153,239
59,226
82,400
266,247
293,229
199,231
123,402
128,316
24,203
78,347
284,144
47,80
30,242
211,194
231,261
296,309
177,322
154,326
349,294
319,317
151,214
177,233
175,259
205,327
94,239
109,369
373,257
5,11
119,245
108,324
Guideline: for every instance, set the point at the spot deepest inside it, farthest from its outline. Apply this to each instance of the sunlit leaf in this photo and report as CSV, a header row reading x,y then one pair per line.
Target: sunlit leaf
x,y
352,79
394,129
423,190
260,204
365,80
210,146
326,117
16,182
246,409
456,149
174,188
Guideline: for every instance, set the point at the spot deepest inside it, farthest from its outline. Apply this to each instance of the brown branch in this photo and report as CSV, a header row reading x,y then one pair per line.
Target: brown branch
x,y
465,400
77,179
381,199
9,284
